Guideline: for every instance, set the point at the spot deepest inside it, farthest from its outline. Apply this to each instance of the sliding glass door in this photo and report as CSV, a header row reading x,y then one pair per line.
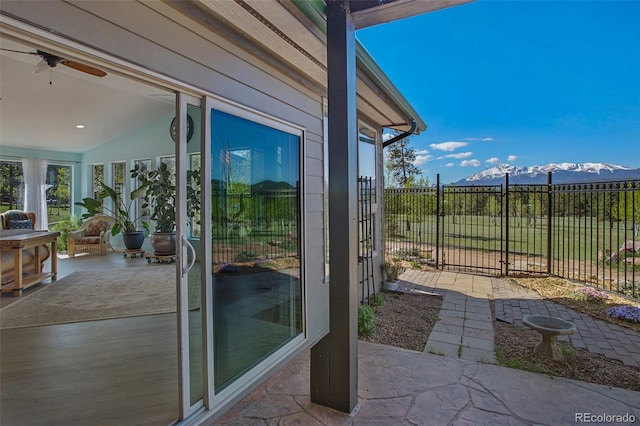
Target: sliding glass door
x,y
256,244
240,292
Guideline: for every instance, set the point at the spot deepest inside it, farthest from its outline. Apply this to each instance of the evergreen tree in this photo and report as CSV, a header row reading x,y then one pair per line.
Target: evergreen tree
x,y
399,164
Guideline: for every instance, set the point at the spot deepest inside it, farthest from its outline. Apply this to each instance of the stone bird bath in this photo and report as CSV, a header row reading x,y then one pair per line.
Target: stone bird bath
x,y
549,328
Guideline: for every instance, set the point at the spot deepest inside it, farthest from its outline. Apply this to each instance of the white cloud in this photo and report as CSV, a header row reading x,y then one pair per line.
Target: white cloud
x,y
470,163
422,159
493,160
460,155
512,158
422,152
386,136
449,164
448,146
486,139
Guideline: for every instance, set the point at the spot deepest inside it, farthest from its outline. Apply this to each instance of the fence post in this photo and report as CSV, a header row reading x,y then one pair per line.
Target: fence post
x,y
506,223
437,220
549,223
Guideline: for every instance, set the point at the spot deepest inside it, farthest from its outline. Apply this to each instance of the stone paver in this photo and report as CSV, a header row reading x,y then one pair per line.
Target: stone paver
x,y
465,297
595,335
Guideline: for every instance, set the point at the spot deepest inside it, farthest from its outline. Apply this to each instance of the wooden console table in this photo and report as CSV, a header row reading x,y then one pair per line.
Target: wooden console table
x,y
19,242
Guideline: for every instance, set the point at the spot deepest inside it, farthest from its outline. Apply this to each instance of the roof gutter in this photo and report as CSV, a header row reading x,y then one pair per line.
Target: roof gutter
x,y
314,10
414,126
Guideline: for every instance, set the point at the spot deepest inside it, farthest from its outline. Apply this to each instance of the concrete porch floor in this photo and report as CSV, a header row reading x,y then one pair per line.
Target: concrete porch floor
x,y
454,381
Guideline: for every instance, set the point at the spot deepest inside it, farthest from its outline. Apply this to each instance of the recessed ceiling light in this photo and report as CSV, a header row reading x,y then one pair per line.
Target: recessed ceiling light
x,y
79,126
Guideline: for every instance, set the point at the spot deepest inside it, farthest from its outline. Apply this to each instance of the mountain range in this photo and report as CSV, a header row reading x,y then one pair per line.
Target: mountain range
x,y
561,173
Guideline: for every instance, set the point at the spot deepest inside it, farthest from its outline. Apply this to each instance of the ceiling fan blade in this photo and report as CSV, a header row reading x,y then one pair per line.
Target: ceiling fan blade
x,y
40,67
83,68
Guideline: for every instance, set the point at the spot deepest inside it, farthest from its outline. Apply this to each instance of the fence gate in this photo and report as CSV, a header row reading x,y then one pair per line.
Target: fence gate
x,y
472,229
411,223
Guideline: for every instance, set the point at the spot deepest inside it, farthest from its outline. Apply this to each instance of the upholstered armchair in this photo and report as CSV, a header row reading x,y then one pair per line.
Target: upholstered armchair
x,y
92,236
17,219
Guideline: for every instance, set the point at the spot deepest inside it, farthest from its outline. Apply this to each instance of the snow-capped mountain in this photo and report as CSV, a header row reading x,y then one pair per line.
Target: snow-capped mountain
x,y
561,173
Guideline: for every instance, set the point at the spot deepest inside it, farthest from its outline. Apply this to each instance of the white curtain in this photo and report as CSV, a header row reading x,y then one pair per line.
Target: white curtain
x,y
35,195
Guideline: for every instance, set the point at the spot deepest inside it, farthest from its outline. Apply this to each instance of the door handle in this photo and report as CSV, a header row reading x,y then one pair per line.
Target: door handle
x,y
187,244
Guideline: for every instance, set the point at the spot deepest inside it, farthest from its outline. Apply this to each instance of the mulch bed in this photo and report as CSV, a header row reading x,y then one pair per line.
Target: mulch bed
x,y
405,320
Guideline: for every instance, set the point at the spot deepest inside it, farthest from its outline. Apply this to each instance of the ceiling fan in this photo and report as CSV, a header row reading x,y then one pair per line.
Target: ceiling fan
x,y
49,61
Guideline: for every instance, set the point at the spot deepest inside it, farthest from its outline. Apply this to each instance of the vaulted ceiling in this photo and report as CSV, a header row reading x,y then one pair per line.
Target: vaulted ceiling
x,y
41,110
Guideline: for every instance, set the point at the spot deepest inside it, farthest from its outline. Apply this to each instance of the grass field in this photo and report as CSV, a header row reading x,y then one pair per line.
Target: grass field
x,y
582,248
571,237
55,214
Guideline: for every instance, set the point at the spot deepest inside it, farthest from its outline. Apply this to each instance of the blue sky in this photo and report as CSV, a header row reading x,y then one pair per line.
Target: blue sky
x,y
518,82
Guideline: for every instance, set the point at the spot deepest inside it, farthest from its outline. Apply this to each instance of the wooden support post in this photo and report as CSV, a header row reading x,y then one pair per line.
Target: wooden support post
x,y
334,359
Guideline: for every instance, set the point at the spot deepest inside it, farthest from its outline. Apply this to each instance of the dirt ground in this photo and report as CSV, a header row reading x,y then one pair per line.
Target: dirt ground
x,y
406,320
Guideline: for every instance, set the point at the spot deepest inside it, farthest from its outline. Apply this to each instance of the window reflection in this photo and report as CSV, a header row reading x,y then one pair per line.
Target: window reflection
x,y
255,186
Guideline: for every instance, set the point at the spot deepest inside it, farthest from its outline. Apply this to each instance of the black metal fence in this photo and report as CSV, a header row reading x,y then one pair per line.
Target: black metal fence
x,y
587,232
255,225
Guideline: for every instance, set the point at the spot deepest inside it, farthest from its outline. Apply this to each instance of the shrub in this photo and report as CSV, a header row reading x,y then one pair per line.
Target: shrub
x,y
590,293
246,256
375,300
366,320
64,227
626,312
409,252
392,270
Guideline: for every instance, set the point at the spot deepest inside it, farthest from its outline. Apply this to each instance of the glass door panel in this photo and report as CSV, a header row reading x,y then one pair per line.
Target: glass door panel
x,y
190,313
255,229
193,190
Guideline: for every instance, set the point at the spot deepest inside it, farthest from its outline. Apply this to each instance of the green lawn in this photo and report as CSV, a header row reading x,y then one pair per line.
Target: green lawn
x,y
572,237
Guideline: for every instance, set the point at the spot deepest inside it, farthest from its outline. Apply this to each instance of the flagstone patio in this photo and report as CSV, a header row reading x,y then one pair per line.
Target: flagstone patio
x,y
398,386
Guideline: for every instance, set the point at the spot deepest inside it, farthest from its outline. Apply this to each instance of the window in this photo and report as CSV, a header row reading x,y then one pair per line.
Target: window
x,y
97,176
117,177
194,225
367,159
367,171
145,164
58,189
11,185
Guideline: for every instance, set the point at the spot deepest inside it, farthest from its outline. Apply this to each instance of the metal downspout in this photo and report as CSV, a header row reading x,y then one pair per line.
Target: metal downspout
x,y
414,126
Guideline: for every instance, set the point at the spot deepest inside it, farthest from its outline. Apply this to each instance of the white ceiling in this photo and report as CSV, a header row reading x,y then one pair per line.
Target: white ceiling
x,y
38,115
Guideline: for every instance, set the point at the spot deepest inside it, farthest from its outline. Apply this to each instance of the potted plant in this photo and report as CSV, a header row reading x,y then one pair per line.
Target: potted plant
x,y
392,270
159,195
126,221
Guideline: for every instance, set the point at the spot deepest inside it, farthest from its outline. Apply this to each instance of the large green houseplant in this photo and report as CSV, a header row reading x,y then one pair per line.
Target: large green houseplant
x,y
127,221
159,198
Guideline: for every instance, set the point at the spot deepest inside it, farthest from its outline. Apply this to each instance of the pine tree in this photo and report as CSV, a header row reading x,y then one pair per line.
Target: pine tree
x,y
400,168
399,164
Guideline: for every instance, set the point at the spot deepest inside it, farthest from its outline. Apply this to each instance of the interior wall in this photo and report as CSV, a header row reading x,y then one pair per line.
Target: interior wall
x,y
150,141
